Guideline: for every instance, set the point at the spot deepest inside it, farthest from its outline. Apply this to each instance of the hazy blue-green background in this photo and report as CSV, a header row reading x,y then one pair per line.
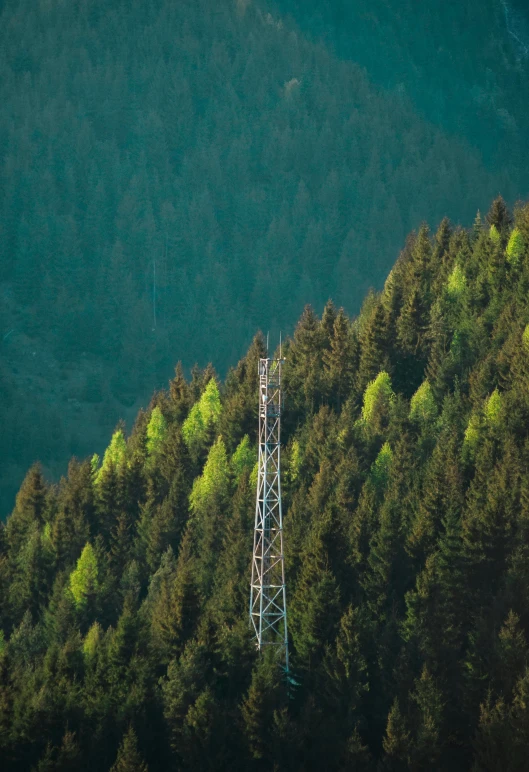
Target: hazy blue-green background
x,y
254,156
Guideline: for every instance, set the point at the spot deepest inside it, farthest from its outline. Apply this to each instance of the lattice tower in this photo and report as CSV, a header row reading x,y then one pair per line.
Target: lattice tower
x,y
268,607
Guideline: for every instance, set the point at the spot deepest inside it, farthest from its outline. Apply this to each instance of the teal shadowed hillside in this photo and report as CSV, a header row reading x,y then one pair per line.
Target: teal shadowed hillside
x,y
124,638
463,65
175,176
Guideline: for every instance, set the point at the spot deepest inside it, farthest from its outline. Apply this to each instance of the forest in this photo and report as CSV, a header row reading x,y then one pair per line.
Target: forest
x,y
124,588
176,175
462,65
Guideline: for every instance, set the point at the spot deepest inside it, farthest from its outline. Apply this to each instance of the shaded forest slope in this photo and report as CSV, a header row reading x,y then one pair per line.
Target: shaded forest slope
x,y
205,153
124,589
463,66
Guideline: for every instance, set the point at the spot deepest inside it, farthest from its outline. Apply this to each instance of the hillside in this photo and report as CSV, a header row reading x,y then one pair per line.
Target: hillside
x,y
174,176
124,589
464,66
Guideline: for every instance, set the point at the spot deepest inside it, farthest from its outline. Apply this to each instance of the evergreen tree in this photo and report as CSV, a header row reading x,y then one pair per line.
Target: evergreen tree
x,y
339,359
175,610
84,579
258,710
129,759
498,215
179,392
374,340
396,743
29,509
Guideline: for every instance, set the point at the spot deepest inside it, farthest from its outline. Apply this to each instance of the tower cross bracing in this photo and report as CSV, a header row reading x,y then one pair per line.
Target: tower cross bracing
x,y
268,609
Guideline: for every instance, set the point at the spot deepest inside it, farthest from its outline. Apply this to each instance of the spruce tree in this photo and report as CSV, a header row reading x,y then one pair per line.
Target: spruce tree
x,y
129,758
179,392
29,508
498,215
339,359
374,346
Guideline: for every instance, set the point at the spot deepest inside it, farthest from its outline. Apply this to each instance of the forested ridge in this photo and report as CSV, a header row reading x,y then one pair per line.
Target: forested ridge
x,y
462,65
124,588
169,169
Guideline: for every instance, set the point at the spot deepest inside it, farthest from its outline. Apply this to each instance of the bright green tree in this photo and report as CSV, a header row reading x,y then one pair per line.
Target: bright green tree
x,y
156,433
381,467
495,235
493,409
422,406
84,578
378,394
212,485
243,459
203,417
515,247
457,283
115,455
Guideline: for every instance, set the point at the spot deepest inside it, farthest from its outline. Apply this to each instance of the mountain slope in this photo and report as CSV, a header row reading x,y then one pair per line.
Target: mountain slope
x,y
125,589
175,169
463,66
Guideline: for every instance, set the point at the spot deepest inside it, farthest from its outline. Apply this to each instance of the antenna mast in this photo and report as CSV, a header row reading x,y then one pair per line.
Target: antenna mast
x,y
268,607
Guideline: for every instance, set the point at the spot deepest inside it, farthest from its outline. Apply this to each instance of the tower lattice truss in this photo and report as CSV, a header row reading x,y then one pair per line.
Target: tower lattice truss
x,y
268,609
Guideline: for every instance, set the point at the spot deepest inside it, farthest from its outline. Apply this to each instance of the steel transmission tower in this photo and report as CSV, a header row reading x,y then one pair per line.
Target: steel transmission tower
x,y
268,607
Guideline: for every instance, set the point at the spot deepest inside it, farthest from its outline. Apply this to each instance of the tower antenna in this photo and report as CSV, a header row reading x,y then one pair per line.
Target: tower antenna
x,y
268,606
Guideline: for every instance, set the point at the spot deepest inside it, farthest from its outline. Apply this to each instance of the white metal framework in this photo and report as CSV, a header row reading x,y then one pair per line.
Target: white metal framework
x,y
268,607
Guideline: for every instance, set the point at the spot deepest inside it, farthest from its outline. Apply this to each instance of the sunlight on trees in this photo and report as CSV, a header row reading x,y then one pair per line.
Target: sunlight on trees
x,y
243,458
84,579
378,390
422,405
156,433
213,483
203,416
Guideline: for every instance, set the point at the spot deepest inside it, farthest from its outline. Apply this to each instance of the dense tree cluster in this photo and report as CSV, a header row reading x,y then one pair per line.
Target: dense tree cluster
x,y
169,169
463,66
124,588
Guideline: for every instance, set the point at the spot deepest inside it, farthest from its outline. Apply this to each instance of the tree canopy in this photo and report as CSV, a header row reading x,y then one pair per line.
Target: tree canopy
x,y
124,638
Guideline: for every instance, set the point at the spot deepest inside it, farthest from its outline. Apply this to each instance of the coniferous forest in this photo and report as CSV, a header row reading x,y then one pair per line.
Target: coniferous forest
x,y
176,174
124,588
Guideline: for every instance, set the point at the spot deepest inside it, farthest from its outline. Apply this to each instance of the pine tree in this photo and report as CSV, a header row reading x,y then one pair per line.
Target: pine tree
x,y
499,216
374,348
156,435
441,255
412,324
84,582
303,372
438,613
442,497
314,609
121,543
328,318
74,519
29,509
396,742
264,697
345,672
489,519
180,689
175,610
428,745
339,360
179,392
129,758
